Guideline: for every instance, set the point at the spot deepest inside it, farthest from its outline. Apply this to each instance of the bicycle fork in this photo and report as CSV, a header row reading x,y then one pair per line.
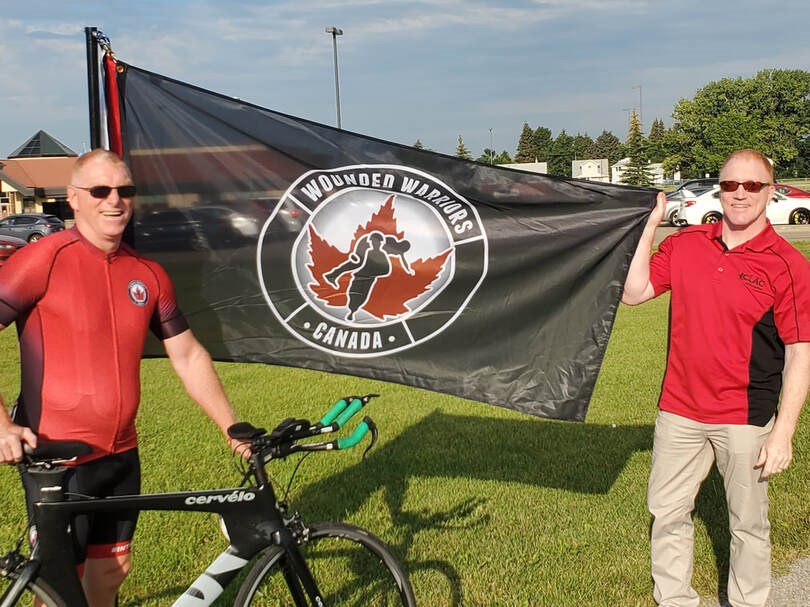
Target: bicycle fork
x,y
15,591
296,574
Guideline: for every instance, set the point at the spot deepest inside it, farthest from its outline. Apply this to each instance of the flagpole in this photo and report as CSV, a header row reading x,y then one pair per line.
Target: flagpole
x,y
93,86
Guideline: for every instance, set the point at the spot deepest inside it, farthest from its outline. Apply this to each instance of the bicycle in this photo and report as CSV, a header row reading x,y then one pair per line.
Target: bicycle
x,y
290,562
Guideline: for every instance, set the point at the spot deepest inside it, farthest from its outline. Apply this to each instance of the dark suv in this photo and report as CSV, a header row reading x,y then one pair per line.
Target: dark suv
x,y
31,226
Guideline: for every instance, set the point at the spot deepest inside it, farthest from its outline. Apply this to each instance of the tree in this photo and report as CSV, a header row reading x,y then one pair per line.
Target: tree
x,y
769,112
542,142
503,158
583,147
636,172
656,141
607,145
462,151
489,156
800,166
525,150
418,145
562,153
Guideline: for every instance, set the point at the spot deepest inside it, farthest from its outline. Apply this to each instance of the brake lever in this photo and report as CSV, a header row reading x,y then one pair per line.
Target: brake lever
x,y
373,429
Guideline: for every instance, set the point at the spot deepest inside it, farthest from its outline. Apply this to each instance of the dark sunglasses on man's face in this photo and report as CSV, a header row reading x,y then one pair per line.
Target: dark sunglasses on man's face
x,y
102,191
748,186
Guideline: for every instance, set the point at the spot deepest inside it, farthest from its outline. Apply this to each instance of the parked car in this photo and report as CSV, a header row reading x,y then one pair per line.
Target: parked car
x,y
789,209
706,208
30,226
8,246
170,229
675,198
194,229
226,227
791,191
695,186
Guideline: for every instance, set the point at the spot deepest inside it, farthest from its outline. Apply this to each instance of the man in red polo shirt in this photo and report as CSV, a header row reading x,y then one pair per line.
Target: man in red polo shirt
x,y
739,340
83,302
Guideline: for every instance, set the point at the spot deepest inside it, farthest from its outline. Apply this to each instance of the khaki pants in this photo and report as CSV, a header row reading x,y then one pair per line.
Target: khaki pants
x,y
683,453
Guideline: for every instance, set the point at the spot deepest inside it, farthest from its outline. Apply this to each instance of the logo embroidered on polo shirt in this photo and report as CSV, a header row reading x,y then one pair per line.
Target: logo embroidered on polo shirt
x,y
752,279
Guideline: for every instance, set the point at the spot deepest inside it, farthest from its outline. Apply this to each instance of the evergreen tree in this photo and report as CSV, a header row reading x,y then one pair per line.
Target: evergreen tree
x,y
503,158
637,172
656,141
542,142
583,147
462,151
418,145
487,157
607,145
562,153
525,149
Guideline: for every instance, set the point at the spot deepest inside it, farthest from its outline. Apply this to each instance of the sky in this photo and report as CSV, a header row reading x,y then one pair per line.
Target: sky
x,y
427,70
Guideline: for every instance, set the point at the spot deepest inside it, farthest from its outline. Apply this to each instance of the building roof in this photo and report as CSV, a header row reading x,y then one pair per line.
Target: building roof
x,y
39,167
40,145
51,175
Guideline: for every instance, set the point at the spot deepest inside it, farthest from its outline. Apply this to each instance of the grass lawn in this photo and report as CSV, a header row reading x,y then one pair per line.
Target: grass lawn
x,y
486,507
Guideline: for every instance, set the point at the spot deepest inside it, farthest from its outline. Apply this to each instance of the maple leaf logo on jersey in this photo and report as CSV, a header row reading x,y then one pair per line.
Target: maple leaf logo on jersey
x,y
373,252
138,293
373,274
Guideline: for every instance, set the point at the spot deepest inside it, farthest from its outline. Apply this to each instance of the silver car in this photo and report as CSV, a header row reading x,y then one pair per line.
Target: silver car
x,y
30,226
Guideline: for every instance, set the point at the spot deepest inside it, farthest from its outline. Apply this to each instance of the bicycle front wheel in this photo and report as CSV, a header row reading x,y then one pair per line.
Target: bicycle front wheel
x,y
38,590
350,566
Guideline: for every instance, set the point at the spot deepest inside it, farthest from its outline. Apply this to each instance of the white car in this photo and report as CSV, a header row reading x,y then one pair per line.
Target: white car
x,y
675,198
786,209
706,208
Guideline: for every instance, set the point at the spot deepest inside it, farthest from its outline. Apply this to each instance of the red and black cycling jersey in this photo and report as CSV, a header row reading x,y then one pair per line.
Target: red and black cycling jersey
x,y
82,319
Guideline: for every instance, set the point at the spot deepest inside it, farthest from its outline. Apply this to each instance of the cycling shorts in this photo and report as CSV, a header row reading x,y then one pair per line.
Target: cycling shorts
x,y
102,534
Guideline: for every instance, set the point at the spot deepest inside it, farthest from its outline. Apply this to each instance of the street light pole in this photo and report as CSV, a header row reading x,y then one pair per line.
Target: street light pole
x,y
491,149
335,33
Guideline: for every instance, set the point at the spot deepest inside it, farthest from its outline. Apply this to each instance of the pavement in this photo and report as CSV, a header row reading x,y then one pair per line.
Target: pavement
x,y
790,590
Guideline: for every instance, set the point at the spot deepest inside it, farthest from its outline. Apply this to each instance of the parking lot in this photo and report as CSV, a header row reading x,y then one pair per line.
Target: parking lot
x,y
788,232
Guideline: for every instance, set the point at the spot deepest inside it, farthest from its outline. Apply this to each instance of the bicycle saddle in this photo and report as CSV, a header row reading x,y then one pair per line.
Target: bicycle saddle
x,y
57,450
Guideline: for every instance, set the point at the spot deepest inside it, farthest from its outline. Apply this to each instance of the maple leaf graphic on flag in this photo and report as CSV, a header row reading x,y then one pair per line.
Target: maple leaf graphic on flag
x,y
342,278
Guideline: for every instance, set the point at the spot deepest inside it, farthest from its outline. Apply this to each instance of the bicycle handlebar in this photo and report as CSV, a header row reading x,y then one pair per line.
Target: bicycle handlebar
x,y
282,441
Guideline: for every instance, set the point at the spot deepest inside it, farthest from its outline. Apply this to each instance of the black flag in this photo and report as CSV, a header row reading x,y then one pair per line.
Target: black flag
x,y
294,243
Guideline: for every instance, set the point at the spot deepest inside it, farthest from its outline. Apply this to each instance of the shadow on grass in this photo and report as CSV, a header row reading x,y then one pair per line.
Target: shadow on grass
x,y
580,458
711,508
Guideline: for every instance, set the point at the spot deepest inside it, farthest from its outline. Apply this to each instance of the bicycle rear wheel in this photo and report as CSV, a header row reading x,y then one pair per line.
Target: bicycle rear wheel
x,y
33,590
350,566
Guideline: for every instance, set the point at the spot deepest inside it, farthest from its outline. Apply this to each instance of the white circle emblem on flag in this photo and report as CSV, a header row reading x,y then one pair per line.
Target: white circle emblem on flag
x,y
365,260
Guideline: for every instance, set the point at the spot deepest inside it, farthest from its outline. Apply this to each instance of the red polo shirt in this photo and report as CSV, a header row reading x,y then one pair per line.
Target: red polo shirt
x,y
731,314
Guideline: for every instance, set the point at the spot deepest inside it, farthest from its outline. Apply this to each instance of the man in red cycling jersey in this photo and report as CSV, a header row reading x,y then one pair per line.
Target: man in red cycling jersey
x,y
83,302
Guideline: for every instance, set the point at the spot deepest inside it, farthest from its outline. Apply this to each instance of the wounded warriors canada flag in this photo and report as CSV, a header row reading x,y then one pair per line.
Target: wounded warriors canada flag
x,y
294,243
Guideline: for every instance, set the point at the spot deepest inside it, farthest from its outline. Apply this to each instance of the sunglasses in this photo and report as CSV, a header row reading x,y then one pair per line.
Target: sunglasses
x,y
748,186
102,191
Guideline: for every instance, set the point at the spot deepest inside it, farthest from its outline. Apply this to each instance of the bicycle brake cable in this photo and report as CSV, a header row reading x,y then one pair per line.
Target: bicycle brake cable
x,y
294,472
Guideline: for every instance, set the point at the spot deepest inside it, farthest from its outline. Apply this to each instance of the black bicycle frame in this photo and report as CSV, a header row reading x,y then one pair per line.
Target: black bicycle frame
x,y
252,523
